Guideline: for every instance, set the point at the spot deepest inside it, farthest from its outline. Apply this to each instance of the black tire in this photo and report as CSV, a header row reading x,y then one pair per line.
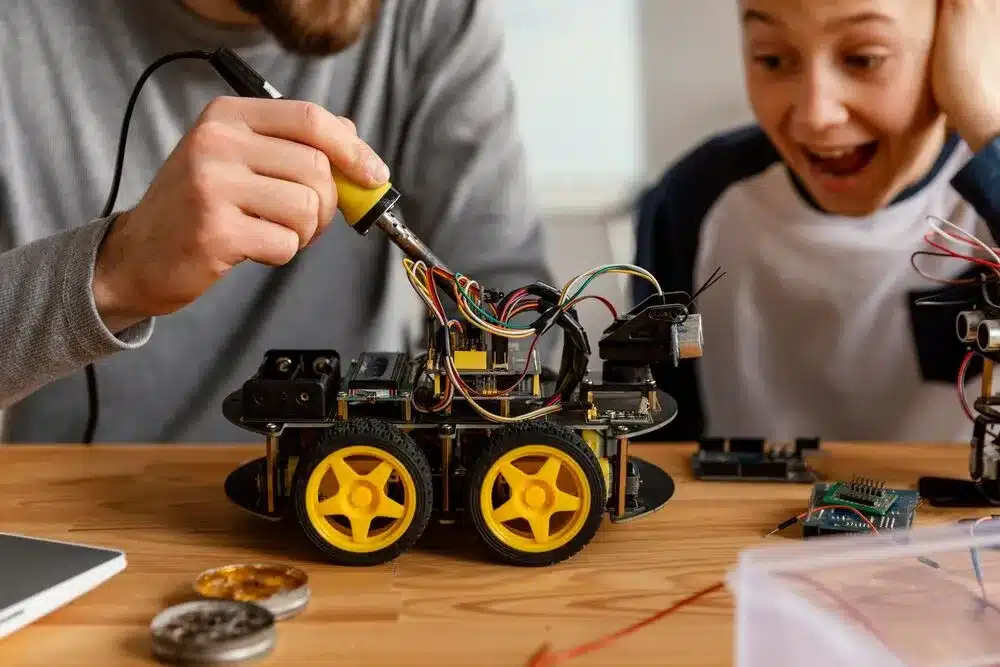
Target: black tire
x,y
398,448
554,438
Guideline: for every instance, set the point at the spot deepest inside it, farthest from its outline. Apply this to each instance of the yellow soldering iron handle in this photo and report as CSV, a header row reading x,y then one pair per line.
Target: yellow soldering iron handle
x,y
363,206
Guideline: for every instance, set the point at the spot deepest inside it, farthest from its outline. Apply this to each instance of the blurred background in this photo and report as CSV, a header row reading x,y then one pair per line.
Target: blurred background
x,y
635,105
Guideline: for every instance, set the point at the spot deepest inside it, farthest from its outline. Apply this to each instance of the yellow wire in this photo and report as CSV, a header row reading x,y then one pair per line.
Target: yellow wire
x,y
636,271
417,272
534,414
414,272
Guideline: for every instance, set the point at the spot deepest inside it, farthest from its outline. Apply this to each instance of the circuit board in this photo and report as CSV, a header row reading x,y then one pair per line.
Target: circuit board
x,y
868,495
754,459
888,509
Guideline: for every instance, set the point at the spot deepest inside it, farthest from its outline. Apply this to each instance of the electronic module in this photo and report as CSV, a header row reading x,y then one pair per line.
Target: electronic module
x,y
848,507
754,459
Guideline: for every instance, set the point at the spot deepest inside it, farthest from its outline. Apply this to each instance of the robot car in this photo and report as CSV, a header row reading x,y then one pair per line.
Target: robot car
x,y
362,455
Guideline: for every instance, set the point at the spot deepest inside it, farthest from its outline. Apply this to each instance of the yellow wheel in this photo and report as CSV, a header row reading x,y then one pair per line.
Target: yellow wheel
x,y
363,494
536,495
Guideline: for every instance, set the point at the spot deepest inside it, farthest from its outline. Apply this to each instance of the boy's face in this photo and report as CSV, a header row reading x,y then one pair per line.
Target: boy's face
x,y
842,88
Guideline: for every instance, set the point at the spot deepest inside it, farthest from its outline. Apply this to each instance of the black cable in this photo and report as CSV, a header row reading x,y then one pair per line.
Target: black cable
x,y
712,279
94,404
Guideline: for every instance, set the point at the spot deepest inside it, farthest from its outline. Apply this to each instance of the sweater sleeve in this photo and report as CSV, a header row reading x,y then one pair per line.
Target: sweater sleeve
x,y
978,182
49,324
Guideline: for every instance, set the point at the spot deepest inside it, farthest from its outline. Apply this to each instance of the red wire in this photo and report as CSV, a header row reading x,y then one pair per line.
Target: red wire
x,y
545,657
841,507
974,260
962,398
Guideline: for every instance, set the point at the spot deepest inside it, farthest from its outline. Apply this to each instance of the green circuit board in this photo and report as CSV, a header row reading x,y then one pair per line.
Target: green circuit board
x,y
868,495
887,509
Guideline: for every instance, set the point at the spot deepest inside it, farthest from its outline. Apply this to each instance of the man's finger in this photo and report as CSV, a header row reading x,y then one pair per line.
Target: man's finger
x,y
349,123
264,242
309,124
286,203
291,161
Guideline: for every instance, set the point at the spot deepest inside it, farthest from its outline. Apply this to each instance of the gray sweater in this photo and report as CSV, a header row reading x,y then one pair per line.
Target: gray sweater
x,y
427,89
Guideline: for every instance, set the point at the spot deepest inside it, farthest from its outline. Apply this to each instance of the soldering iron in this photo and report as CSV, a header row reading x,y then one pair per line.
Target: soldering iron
x,y
362,208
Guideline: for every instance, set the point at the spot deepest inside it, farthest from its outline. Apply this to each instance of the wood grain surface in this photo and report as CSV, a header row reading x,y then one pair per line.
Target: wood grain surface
x,y
440,605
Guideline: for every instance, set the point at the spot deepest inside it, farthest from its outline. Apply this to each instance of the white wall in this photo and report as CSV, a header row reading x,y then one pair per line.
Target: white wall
x,y
576,68
692,74
610,92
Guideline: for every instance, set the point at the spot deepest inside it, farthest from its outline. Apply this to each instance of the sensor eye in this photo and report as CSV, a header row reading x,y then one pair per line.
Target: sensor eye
x,y
967,325
988,336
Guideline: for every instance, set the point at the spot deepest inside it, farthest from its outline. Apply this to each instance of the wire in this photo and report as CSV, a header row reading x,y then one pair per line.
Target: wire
x,y
944,281
468,295
109,204
977,566
960,237
592,274
545,657
428,292
967,238
963,370
799,517
712,279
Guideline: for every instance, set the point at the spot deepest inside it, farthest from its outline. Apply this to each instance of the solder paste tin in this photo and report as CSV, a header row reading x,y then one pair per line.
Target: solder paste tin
x,y
213,631
282,590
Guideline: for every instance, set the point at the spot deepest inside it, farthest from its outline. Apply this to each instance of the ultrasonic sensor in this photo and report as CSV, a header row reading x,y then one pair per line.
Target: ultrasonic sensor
x,y
988,336
967,325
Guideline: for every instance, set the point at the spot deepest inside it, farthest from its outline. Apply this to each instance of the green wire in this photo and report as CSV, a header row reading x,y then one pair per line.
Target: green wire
x,y
593,276
486,316
482,313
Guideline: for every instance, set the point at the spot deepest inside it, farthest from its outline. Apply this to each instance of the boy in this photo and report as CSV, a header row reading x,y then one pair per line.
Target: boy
x,y
871,116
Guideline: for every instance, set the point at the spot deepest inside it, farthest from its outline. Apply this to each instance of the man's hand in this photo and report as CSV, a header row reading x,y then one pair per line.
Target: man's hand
x,y
965,68
252,180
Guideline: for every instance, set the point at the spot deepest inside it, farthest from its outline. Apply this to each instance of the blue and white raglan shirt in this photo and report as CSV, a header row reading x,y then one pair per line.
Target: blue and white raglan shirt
x,y
814,330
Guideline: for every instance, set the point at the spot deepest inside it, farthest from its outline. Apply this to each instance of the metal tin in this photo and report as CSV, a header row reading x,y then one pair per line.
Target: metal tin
x,y
282,590
212,631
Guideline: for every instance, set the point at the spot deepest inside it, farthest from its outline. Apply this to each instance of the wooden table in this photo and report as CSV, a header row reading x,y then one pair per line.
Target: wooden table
x,y
438,606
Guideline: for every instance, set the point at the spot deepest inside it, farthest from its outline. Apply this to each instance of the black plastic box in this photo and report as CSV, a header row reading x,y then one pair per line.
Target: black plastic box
x,y
293,385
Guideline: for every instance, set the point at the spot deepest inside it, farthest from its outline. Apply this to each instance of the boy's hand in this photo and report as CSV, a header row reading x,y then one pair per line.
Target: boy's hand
x,y
965,68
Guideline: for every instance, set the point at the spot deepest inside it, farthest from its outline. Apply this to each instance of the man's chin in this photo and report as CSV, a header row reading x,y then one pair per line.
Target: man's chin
x,y
314,29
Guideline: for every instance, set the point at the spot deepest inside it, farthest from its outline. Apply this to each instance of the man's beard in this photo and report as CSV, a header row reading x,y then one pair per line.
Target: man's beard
x,y
314,27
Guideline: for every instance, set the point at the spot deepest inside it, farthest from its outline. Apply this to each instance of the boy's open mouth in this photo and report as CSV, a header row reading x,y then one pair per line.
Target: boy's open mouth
x,y
843,162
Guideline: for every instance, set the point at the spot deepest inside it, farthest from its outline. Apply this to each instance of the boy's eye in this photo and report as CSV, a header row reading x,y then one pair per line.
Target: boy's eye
x,y
768,62
865,61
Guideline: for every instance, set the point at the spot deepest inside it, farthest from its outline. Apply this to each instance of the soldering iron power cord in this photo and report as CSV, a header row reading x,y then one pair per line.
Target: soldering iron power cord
x,y
109,204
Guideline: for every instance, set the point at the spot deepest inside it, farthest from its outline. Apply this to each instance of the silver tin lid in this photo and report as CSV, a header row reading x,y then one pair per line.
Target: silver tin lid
x,y
281,589
212,631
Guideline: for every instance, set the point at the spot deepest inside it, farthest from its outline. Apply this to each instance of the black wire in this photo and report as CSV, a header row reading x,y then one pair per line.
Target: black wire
x,y
932,300
91,374
712,279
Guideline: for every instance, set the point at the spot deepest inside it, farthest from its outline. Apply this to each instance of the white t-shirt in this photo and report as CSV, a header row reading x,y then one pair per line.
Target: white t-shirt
x,y
814,330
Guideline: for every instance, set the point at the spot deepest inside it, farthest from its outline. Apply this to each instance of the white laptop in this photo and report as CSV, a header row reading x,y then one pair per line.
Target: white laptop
x,y
37,576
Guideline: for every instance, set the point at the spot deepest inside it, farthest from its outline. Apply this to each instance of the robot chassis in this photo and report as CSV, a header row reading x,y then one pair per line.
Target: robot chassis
x,y
472,428
977,327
